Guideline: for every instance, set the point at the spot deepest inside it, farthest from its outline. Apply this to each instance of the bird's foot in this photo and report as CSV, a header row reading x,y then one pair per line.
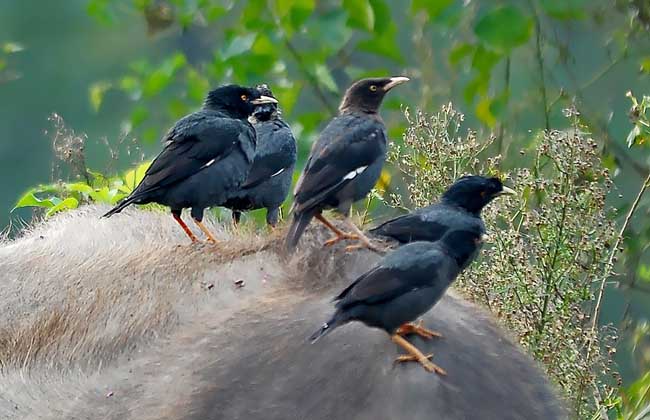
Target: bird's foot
x,y
340,237
427,364
362,245
410,328
209,238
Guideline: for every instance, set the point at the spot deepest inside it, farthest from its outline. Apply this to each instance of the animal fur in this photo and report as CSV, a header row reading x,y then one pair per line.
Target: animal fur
x,y
123,318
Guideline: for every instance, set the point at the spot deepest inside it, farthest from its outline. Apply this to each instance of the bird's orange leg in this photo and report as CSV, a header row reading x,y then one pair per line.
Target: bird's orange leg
x,y
340,235
361,237
187,230
206,232
411,328
415,355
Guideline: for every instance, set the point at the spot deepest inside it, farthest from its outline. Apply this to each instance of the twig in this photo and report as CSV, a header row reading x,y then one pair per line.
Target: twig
x,y
506,88
310,77
540,63
608,270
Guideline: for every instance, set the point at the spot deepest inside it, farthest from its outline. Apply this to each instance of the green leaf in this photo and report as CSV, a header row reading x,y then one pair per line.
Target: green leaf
x,y
499,103
329,30
564,9
293,13
484,113
360,14
162,76
12,47
238,45
384,45
67,204
131,86
645,65
79,187
484,60
477,86
383,18
28,199
102,195
156,82
288,96
325,78
434,8
644,272
133,177
100,10
459,52
139,115
504,28
96,94
197,86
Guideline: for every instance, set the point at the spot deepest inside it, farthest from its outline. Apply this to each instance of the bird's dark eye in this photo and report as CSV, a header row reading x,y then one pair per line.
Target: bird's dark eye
x,y
244,98
483,193
373,88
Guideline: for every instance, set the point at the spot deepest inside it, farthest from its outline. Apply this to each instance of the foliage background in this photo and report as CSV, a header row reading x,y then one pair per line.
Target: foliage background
x,y
124,70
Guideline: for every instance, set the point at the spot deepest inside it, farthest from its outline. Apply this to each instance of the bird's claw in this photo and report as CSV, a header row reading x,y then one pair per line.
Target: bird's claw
x,y
410,358
424,361
362,245
339,238
419,329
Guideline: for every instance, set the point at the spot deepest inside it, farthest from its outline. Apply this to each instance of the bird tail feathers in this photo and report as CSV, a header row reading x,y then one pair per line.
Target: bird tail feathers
x,y
325,329
121,205
298,225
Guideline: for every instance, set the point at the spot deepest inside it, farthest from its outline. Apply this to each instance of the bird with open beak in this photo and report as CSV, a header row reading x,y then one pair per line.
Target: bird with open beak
x,y
206,155
344,163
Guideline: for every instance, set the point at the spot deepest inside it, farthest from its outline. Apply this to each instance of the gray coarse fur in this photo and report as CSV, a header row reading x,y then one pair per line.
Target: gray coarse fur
x,y
124,319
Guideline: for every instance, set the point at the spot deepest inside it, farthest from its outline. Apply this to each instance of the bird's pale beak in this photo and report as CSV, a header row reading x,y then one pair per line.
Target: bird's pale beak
x,y
394,81
264,100
507,191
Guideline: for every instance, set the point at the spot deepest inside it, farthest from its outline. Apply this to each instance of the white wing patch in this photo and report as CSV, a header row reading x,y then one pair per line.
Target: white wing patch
x,y
354,173
208,164
278,172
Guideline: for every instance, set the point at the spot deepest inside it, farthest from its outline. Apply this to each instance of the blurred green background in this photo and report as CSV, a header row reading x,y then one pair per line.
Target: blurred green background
x,y
122,71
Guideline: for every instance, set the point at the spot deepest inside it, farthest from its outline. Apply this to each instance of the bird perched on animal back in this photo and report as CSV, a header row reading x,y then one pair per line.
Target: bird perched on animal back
x,y
269,179
345,162
206,155
459,206
404,285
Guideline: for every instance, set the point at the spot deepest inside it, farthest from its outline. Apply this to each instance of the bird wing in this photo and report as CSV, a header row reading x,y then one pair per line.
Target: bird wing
x,y
412,226
275,161
195,142
427,224
345,149
403,272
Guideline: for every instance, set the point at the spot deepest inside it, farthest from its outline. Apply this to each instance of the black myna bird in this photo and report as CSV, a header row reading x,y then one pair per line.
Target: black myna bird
x,y
404,285
459,206
269,180
345,162
206,156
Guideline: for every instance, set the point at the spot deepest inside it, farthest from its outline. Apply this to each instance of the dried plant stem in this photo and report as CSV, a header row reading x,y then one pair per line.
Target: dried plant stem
x,y
608,269
610,262
320,94
540,64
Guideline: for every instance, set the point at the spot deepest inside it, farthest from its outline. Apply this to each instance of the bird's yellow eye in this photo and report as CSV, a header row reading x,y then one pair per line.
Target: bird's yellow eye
x,y
373,88
244,98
